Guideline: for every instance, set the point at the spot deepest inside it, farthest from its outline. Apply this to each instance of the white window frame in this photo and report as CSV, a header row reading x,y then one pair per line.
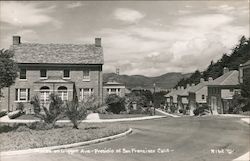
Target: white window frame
x,y
63,74
63,94
90,93
86,77
117,91
19,94
45,98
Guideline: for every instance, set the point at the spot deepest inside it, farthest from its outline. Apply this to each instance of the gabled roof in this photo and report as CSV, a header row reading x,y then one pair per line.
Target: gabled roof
x,y
57,53
185,91
229,78
199,86
247,63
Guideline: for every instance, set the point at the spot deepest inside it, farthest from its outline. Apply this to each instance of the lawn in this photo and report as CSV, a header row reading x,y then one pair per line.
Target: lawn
x,y
119,116
22,137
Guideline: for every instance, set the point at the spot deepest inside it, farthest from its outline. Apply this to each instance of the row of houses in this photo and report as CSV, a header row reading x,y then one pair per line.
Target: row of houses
x,y
216,94
57,68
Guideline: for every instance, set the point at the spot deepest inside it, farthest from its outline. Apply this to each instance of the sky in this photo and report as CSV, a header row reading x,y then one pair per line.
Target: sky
x,y
139,37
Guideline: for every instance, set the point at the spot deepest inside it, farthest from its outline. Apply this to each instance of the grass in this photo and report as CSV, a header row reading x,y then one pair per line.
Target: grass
x,y
25,138
119,116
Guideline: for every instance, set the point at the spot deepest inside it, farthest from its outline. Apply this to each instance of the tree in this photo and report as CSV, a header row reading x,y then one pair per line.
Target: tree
x,y
159,98
51,114
8,69
76,112
115,104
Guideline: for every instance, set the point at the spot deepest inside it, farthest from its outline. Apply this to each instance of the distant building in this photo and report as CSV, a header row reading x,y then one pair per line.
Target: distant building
x,y
113,87
182,97
54,68
197,95
221,91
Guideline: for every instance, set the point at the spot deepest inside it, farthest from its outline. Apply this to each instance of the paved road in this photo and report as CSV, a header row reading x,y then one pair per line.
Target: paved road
x,y
180,139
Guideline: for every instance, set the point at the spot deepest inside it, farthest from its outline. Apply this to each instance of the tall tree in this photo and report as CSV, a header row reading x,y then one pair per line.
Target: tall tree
x,y
8,69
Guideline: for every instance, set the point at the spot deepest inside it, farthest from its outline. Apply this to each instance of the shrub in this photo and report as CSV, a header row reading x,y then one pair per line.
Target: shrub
x,y
14,114
20,106
51,115
115,104
3,113
173,109
201,110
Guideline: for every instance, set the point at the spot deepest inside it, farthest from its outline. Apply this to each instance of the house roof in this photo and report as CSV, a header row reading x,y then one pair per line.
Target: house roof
x,y
229,78
58,53
199,86
185,91
113,83
247,63
172,93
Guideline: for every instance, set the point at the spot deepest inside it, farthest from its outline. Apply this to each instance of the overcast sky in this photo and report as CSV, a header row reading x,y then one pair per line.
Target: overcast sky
x,y
149,38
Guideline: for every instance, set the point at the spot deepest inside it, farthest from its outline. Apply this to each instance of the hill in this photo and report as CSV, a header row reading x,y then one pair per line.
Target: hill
x,y
165,81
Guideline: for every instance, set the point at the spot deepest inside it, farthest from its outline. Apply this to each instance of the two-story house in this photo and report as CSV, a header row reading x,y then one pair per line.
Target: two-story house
x,y
221,91
54,68
197,95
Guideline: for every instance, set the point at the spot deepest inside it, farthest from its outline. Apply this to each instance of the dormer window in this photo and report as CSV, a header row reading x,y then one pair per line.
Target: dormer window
x,y
66,73
43,74
22,74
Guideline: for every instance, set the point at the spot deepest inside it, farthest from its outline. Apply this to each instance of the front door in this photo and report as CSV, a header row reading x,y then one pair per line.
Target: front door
x,y
214,105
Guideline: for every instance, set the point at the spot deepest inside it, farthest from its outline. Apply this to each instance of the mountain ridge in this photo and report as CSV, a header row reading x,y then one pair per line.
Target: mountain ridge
x,y
163,82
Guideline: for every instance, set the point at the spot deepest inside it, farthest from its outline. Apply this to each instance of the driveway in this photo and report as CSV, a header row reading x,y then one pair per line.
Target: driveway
x,y
169,139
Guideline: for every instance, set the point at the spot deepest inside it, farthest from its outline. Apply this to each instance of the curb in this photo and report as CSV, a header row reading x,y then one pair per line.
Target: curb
x,y
244,157
246,120
93,121
73,145
165,113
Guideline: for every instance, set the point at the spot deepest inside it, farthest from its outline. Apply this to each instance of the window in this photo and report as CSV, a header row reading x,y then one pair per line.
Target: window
x,y
86,92
86,75
231,90
63,93
22,94
22,74
43,73
66,73
44,95
114,91
203,97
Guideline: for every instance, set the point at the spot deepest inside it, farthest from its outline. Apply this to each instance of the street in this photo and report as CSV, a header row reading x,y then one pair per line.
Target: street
x,y
210,138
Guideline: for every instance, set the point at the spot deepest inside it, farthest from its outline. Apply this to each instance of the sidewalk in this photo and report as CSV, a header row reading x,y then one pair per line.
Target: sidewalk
x,y
232,115
167,114
93,119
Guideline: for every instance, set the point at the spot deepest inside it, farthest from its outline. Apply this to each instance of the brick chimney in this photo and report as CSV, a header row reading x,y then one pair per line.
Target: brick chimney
x,y
98,42
225,70
201,80
210,79
192,84
182,87
188,85
16,40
